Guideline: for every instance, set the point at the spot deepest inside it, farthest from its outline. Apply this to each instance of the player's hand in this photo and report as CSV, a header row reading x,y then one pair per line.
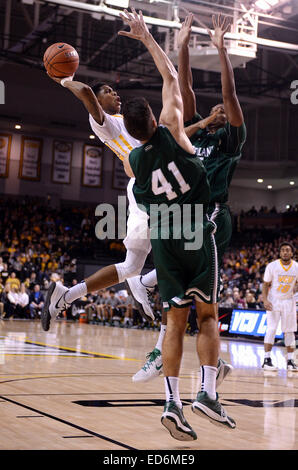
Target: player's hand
x,y
184,33
268,305
59,79
206,121
138,27
56,79
220,28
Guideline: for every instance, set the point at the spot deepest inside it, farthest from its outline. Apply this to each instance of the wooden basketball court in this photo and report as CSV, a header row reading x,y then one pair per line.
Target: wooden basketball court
x,y
71,389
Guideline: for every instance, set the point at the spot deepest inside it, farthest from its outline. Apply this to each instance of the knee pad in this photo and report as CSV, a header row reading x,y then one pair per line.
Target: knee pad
x,y
132,266
269,336
289,340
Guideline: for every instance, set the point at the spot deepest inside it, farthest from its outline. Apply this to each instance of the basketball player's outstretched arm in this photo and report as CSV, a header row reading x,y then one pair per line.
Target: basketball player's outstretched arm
x,y
172,105
232,107
85,94
184,70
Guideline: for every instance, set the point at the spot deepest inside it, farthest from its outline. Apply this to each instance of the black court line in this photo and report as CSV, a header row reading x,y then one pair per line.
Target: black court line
x,y
30,416
80,428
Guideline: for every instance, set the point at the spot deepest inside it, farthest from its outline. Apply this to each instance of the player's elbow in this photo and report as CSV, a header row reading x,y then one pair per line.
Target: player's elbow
x,y
86,91
172,74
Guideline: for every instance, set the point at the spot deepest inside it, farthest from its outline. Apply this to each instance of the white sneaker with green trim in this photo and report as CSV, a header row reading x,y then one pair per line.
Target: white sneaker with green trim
x,y
152,368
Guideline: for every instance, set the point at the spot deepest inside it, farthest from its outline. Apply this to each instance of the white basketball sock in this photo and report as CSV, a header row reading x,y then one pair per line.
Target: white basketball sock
x,y
290,356
172,390
208,380
76,292
150,279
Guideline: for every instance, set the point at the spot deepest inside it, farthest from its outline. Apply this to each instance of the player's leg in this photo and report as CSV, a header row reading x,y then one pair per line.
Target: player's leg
x,y
221,216
206,403
290,344
289,327
272,323
153,366
172,417
60,297
138,239
223,367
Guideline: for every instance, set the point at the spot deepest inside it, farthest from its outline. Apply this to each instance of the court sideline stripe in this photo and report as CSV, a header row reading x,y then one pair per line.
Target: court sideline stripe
x,y
69,424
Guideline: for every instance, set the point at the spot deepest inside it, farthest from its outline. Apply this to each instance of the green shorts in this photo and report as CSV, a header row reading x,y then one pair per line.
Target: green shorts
x,y
220,214
184,274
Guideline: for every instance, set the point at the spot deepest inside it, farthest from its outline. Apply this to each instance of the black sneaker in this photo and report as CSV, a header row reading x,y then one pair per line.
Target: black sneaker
x,y
267,365
292,366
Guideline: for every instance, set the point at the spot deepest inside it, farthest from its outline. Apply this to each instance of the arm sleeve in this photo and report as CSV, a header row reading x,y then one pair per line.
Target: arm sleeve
x,y
110,129
232,139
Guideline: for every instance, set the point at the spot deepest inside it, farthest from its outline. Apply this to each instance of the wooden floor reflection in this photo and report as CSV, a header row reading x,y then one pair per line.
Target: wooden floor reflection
x,y
71,388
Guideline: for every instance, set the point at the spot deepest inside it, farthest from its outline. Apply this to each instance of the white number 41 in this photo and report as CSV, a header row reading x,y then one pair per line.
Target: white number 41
x,y
160,184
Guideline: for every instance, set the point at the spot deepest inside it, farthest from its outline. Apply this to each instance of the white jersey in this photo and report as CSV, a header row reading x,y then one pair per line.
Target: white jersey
x,y
283,280
113,133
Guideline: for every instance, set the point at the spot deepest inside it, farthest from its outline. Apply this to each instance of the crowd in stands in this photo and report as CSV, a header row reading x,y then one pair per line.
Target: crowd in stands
x,y
264,210
39,244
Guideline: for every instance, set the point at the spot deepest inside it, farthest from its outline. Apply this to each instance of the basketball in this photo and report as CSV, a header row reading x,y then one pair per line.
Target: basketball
x,y
61,60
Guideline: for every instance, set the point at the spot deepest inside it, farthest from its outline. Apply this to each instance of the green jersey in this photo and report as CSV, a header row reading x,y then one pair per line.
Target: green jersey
x,y
220,153
166,174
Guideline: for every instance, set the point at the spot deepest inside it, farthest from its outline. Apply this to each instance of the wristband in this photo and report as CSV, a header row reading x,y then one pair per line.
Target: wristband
x,y
66,79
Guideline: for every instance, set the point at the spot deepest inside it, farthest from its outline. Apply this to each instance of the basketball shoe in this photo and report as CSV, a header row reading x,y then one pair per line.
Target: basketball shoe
x,y
212,410
140,294
152,368
223,370
55,303
292,366
267,364
173,419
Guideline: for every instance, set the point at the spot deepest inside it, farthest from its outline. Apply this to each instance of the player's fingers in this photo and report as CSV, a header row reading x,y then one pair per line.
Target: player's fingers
x,y
141,17
126,33
225,22
214,21
124,18
128,15
187,19
134,13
